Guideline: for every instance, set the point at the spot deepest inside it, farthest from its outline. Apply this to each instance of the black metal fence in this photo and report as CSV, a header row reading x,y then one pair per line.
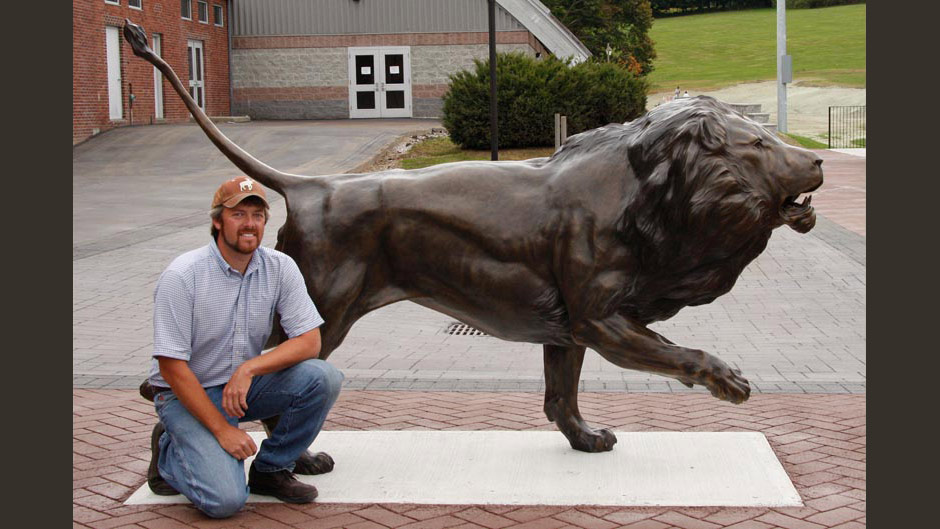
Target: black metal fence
x,y
847,127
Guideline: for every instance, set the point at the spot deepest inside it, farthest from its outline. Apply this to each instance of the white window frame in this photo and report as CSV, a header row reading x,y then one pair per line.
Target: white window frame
x,y
202,3
139,6
113,2
190,3
220,21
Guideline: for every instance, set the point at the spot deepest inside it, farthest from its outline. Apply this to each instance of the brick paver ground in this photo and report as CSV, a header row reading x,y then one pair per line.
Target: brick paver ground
x,y
842,197
820,440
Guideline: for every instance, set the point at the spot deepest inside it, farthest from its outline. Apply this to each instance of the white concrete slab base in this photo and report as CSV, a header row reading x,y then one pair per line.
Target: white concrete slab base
x,y
693,469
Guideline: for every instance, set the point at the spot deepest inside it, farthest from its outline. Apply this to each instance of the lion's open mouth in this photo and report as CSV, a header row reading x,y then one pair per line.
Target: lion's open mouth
x,y
799,215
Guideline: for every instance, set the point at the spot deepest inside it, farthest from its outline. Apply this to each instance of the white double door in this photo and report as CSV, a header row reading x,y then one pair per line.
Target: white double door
x,y
197,86
380,82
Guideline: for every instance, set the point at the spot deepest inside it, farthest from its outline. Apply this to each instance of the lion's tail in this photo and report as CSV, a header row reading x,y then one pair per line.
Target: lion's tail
x,y
250,165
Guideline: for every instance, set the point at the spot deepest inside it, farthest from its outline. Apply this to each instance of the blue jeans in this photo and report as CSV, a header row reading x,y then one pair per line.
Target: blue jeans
x,y
193,462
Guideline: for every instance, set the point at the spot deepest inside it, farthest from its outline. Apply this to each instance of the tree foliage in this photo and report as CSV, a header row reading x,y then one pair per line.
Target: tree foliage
x,y
622,24
530,91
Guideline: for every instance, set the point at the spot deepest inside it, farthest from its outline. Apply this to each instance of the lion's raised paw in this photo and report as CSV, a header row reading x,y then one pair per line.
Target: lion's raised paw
x,y
727,384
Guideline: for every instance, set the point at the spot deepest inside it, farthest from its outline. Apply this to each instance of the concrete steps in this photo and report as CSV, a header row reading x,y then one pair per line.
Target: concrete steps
x,y
753,111
745,108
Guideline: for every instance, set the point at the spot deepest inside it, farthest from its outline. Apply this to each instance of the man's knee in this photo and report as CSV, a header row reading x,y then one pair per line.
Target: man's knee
x,y
225,502
326,379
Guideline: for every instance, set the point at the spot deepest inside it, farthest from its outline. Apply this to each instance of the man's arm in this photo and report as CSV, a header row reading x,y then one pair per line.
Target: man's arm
x,y
288,353
187,389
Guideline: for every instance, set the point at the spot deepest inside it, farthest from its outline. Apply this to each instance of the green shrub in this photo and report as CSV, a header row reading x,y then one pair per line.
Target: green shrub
x,y
530,91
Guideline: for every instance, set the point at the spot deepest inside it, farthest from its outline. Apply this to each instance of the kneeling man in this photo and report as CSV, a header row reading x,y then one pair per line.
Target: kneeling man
x,y
213,312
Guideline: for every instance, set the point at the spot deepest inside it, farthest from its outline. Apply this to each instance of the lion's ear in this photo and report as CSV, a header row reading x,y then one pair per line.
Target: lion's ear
x,y
708,129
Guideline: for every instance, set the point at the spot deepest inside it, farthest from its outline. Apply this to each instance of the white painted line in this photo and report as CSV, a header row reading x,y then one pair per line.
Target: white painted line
x,y
727,469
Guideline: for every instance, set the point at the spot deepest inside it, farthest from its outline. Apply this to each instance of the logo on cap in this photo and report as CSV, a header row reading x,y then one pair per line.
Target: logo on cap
x,y
245,185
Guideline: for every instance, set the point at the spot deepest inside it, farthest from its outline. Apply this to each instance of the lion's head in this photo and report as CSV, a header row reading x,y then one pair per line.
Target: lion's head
x,y
708,180
703,188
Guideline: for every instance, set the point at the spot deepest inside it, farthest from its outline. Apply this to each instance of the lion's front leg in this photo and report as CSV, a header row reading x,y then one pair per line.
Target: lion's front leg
x,y
562,373
633,346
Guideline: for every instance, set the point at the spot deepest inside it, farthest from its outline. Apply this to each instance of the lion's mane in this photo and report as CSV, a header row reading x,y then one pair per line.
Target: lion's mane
x,y
695,218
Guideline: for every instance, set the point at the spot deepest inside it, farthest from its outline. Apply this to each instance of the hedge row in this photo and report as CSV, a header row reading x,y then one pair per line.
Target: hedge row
x,y
809,4
530,91
665,8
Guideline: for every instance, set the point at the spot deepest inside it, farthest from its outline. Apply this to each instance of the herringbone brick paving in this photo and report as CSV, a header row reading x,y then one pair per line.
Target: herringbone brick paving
x,y
820,440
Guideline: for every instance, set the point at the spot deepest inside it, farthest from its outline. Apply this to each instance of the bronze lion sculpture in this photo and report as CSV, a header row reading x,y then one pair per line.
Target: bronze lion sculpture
x,y
622,227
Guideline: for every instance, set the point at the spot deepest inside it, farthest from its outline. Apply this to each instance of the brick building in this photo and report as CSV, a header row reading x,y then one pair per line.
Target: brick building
x,y
292,59
105,72
335,59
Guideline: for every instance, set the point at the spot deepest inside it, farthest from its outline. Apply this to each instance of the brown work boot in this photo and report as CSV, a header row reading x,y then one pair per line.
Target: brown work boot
x,y
313,464
282,484
157,484
146,390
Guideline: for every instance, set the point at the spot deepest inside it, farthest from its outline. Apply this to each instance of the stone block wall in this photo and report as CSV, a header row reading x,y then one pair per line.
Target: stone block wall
x,y
289,67
431,65
308,78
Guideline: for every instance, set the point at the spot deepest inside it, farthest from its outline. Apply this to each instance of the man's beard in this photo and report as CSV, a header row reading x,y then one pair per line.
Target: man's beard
x,y
240,245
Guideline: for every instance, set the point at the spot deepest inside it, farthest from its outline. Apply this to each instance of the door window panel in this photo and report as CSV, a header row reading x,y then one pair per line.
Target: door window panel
x,y
365,100
394,69
365,69
395,99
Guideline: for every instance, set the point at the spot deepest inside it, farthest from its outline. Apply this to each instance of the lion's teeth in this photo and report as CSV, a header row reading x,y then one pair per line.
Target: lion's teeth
x,y
806,200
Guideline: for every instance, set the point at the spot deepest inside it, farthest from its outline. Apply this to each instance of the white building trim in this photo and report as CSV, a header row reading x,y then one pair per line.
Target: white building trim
x,y
553,34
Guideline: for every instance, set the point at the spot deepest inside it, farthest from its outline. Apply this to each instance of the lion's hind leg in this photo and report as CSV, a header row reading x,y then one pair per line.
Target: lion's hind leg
x,y
562,373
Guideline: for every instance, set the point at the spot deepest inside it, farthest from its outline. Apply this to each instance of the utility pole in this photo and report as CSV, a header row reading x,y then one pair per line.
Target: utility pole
x,y
494,131
784,66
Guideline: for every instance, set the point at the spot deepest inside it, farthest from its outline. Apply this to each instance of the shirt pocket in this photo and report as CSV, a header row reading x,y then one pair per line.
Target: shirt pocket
x,y
260,319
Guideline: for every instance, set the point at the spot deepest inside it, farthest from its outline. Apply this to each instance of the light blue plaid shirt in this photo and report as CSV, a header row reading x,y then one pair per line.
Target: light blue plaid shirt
x,y
209,314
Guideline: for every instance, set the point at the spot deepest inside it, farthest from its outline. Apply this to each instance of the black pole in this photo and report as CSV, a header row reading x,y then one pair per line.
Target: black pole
x,y
494,140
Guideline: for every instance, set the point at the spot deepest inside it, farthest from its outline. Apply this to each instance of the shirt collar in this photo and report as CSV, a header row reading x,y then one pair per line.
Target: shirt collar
x,y
227,268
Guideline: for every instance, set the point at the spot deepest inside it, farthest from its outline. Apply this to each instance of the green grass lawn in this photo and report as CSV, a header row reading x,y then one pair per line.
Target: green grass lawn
x,y
809,143
441,150
714,50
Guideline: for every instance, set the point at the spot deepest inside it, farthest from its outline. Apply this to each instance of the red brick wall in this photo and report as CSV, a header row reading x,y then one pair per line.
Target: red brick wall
x,y
89,63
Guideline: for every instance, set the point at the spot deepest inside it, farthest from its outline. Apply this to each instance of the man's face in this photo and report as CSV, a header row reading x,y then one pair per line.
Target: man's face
x,y
241,227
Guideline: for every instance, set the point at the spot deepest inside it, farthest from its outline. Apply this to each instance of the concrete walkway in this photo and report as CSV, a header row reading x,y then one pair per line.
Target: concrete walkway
x,y
795,321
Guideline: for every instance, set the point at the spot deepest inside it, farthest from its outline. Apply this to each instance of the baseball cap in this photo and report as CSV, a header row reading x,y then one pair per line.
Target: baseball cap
x,y
237,189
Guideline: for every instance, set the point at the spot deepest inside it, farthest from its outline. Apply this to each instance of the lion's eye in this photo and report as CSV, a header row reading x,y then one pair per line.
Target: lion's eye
x,y
758,142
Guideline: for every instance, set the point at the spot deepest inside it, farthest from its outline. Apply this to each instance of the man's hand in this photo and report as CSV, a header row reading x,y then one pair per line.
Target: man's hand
x,y
297,349
236,442
235,393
